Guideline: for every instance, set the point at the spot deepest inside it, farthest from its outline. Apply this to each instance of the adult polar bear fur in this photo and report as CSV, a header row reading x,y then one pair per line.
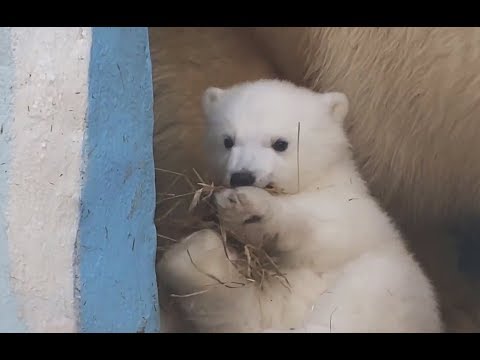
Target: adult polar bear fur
x,y
415,109
339,250
413,121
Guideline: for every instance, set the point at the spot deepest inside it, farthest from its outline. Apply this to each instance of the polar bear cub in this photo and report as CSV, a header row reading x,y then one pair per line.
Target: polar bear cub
x,y
347,265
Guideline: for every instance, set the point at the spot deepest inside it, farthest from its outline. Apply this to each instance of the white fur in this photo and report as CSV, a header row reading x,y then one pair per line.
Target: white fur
x,y
346,262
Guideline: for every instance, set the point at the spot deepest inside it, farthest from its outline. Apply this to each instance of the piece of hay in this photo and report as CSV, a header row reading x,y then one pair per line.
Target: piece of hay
x,y
254,263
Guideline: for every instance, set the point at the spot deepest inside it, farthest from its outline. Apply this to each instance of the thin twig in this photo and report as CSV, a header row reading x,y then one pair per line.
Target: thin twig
x,y
176,197
298,158
166,237
169,210
179,174
198,176
212,276
249,259
189,295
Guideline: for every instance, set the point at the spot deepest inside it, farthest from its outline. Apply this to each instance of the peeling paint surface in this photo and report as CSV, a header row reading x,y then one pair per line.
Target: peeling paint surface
x,y
116,240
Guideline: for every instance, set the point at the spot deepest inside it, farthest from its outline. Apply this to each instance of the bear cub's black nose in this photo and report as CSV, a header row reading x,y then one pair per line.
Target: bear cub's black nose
x,y
244,178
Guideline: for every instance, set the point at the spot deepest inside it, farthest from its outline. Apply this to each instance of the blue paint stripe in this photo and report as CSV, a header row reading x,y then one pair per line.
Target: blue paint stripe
x,y
116,241
9,321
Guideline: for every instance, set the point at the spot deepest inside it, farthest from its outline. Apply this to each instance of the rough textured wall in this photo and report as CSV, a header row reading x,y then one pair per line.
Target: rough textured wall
x,y
77,240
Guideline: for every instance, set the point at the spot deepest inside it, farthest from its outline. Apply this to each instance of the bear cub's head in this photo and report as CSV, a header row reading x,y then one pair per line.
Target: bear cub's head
x,y
272,133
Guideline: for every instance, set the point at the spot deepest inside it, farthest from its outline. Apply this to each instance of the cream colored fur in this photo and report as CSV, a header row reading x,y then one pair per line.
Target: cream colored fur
x,y
415,109
414,95
338,248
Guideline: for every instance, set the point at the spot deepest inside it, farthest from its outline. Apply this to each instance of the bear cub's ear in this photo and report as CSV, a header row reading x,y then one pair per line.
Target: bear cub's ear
x,y
337,104
210,97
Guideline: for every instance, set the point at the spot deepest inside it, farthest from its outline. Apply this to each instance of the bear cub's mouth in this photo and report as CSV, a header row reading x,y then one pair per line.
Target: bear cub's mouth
x,y
270,186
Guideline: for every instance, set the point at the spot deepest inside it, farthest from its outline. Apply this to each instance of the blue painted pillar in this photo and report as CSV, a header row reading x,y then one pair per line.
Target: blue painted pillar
x,y
117,240
77,197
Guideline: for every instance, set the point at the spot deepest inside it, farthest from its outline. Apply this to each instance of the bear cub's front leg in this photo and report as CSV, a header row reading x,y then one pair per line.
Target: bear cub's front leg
x,y
251,213
209,289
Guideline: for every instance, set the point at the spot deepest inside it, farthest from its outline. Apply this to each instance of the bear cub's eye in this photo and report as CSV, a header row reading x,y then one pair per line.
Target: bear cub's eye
x,y
280,145
228,142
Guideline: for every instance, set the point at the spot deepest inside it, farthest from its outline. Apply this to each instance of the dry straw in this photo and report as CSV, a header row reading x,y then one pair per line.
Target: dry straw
x,y
253,262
